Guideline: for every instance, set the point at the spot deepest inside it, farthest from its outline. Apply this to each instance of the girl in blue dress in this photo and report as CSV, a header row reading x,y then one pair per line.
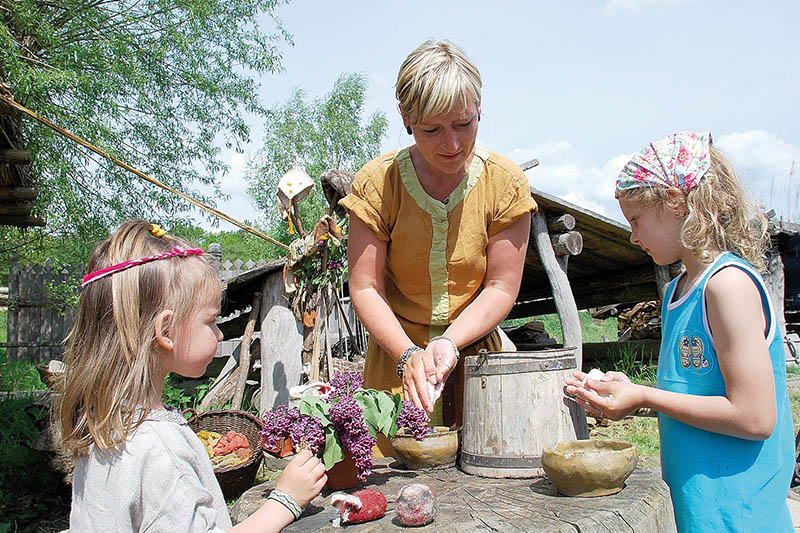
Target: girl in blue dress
x,y
723,411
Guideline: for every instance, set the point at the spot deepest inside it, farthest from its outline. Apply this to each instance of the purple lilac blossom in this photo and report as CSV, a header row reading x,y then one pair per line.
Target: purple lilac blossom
x,y
414,419
354,436
344,384
285,421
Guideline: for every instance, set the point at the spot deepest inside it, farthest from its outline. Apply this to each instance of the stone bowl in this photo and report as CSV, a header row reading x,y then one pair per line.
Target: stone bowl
x,y
436,450
587,468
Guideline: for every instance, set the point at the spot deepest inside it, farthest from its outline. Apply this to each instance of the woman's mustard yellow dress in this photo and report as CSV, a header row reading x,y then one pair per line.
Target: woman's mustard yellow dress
x,y
436,253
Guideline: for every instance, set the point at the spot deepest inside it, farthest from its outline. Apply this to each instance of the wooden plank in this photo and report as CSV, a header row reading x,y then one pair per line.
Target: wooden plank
x,y
14,157
13,311
281,345
22,221
19,209
18,193
244,358
562,292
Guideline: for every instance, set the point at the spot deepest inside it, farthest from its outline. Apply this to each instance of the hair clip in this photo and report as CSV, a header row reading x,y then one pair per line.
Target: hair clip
x,y
156,231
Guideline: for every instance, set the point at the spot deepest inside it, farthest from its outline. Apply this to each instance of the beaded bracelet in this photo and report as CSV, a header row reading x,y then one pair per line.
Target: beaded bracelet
x,y
411,350
455,347
287,501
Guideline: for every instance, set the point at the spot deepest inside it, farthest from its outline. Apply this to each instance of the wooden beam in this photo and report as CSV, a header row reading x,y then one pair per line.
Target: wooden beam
x,y
527,165
18,193
559,223
15,157
570,243
16,210
562,292
22,222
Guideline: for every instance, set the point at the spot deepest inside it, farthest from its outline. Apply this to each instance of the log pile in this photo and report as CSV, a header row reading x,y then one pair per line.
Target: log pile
x,y
642,321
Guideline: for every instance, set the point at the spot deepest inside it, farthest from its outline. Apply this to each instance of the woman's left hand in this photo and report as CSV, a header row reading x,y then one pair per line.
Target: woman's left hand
x,y
445,358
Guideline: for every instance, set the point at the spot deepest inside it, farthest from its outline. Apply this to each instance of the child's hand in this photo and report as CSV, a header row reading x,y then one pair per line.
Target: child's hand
x,y
303,478
614,396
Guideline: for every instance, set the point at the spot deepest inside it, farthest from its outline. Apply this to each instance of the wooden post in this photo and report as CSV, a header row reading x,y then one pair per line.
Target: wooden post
x,y
244,355
562,292
281,345
557,224
662,279
570,243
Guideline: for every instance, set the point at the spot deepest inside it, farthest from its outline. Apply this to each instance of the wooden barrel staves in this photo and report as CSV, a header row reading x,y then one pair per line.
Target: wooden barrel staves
x,y
514,407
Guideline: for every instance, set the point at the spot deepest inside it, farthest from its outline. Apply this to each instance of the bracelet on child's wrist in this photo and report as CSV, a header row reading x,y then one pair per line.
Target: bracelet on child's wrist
x,y
287,501
444,337
401,363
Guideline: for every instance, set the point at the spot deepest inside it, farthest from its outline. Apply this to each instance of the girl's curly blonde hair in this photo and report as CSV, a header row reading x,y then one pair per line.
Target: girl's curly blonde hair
x,y
720,214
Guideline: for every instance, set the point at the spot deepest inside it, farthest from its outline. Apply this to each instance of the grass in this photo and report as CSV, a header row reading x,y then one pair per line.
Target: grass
x,y
593,330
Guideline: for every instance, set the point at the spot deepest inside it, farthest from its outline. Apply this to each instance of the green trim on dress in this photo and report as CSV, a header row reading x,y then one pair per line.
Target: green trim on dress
x,y
439,211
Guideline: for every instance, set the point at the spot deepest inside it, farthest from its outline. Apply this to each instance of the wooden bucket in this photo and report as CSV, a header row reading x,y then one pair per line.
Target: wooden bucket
x,y
514,407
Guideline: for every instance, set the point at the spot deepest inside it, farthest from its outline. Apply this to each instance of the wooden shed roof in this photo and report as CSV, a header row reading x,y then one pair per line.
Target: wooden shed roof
x,y
608,270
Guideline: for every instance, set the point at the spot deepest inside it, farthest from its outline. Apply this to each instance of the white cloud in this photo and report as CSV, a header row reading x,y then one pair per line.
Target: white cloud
x,y
635,7
563,171
765,162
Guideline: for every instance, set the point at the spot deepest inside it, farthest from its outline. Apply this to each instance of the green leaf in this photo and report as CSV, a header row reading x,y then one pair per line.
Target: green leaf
x,y
333,450
314,406
398,406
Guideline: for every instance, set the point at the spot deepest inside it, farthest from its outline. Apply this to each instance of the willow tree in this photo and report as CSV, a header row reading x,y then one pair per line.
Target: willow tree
x,y
329,132
159,84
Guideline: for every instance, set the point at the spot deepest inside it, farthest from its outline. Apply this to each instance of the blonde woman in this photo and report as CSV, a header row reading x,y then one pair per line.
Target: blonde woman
x,y
438,235
149,307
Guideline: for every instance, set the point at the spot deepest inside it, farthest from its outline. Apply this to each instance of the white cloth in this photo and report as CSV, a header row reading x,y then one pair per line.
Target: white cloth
x,y
162,481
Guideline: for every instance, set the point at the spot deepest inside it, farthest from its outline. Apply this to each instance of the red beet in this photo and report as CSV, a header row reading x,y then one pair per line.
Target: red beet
x,y
361,506
416,505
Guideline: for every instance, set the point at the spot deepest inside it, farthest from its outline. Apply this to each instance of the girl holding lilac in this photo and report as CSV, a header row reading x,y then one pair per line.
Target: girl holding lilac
x,y
148,308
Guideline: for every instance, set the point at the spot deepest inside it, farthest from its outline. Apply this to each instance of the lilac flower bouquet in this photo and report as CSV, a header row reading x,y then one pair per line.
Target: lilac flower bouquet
x,y
348,421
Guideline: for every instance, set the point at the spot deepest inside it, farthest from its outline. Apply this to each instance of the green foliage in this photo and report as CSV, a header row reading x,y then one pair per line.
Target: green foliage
x,y
593,330
327,133
641,431
632,361
176,395
23,470
18,375
159,84
380,415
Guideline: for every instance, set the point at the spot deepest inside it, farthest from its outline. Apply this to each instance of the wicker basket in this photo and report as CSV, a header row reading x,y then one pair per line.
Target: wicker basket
x,y
233,480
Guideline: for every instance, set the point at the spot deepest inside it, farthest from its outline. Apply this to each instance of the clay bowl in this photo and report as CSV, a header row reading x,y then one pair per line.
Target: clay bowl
x,y
435,450
587,468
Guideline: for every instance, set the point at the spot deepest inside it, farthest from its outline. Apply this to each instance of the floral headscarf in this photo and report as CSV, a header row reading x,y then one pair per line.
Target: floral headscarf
x,y
678,160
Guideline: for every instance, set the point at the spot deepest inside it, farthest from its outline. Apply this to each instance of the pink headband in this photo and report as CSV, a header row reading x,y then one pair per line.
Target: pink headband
x,y
113,269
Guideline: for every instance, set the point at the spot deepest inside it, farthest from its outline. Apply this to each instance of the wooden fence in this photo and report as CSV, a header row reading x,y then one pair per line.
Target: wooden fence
x,y
37,319
38,323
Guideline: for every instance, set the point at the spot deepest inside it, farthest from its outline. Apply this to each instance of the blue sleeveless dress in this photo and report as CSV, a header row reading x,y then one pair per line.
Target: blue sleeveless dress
x,y
720,483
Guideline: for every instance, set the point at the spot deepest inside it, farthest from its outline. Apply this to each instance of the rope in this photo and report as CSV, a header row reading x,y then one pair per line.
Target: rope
x,y
219,214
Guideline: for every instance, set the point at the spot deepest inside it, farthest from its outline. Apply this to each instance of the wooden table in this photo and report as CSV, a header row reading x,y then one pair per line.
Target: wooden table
x,y
471,503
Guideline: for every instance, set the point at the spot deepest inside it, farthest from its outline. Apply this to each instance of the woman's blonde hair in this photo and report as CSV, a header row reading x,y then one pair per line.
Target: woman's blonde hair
x,y
434,79
719,214
111,350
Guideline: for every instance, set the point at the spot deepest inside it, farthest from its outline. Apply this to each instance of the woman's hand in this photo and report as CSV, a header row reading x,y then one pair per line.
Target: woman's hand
x,y
444,357
419,370
303,478
613,396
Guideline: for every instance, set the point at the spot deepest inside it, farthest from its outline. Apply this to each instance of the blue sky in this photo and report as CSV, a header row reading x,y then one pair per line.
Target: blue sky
x,y
579,85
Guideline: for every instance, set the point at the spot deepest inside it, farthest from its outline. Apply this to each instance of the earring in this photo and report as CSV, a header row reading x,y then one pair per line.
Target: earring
x,y
408,129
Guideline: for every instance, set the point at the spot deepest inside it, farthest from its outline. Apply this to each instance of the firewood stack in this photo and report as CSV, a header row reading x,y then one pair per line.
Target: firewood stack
x,y
642,321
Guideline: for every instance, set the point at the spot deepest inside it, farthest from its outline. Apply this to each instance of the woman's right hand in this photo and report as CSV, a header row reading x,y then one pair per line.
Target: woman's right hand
x,y
303,478
419,370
